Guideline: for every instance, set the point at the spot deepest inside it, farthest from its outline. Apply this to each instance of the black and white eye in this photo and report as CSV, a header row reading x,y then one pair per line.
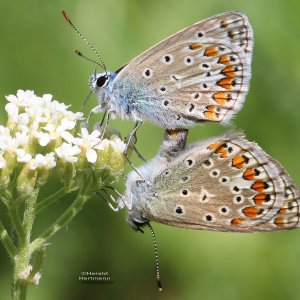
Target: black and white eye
x,y
102,80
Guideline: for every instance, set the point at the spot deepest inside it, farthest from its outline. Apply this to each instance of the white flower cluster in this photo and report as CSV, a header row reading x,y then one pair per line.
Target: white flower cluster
x,y
40,131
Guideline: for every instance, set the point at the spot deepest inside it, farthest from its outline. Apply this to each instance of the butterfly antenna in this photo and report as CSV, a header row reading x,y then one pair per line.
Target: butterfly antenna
x,y
87,58
84,39
156,258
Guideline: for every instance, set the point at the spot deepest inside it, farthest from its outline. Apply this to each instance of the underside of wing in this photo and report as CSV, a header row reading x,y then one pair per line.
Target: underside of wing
x,y
228,184
231,27
199,74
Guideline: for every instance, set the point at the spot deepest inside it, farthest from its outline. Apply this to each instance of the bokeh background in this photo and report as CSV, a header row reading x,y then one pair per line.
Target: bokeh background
x,y
36,52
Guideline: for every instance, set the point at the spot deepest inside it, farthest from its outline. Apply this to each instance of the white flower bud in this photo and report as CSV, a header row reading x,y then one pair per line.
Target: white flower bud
x,y
22,156
67,152
26,181
2,161
117,144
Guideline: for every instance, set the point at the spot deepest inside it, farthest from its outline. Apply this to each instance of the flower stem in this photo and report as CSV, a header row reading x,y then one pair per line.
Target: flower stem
x,y
7,242
16,221
13,213
22,258
51,199
82,197
29,215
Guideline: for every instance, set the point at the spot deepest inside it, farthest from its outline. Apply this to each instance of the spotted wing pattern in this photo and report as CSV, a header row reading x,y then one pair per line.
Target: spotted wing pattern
x,y
199,74
225,184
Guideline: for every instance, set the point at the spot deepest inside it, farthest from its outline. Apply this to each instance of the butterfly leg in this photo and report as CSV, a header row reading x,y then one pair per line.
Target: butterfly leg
x,y
110,203
120,200
95,110
139,154
103,118
131,145
106,116
132,136
114,189
174,142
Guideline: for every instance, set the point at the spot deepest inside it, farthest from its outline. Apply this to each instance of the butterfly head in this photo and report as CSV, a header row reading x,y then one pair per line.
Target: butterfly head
x,y
135,217
136,220
101,83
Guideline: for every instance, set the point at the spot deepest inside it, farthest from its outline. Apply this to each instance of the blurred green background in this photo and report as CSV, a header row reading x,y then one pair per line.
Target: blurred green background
x,y
36,52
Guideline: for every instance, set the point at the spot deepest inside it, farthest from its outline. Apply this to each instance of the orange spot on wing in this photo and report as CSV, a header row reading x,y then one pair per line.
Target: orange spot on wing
x,y
214,146
211,114
260,198
238,161
225,83
222,151
279,222
249,174
251,211
282,210
229,71
220,98
258,186
211,51
195,46
224,60
237,221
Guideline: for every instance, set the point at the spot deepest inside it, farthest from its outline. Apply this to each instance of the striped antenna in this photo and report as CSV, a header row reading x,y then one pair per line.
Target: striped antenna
x,y
84,39
87,58
156,258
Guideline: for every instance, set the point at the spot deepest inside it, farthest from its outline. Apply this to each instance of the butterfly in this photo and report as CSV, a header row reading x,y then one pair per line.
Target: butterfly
x,y
200,74
226,183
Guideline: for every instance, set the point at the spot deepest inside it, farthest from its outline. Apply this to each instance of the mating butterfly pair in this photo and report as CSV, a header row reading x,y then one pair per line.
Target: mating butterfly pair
x,y
200,74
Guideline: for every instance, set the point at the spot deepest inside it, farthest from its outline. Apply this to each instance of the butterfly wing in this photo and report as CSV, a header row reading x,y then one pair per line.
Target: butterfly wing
x,y
225,184
199,74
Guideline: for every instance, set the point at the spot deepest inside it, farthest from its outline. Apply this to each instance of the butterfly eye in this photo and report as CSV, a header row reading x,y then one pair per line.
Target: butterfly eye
x,y
101,80
140,182
139,224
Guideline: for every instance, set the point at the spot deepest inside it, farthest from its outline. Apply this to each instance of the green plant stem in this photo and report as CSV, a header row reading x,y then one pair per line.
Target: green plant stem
x,y
65,218
16,221
6,241
13,213
51,199
37,261
29,252
23,255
